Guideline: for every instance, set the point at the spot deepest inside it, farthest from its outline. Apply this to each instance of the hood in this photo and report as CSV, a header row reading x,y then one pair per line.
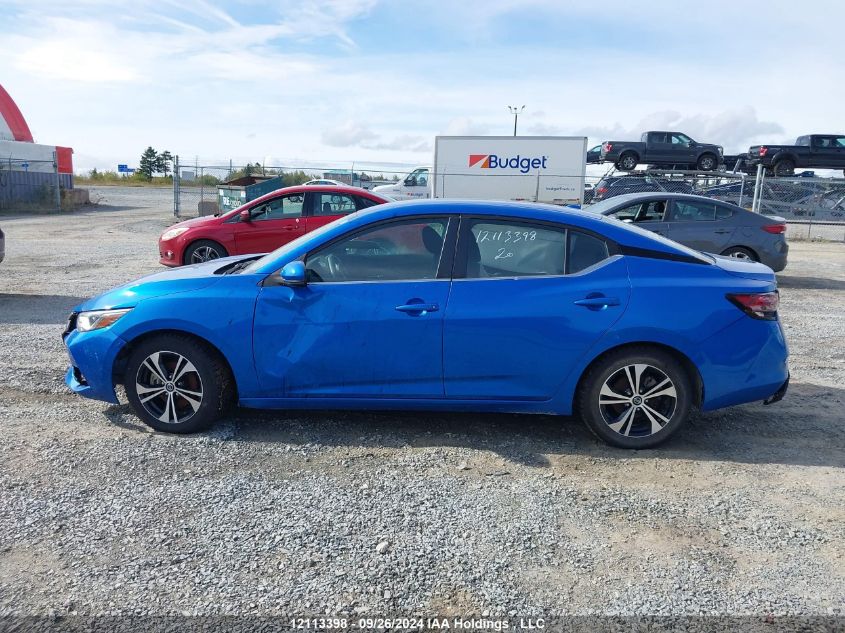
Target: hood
x,y
201,221
168,282
386,188
744,268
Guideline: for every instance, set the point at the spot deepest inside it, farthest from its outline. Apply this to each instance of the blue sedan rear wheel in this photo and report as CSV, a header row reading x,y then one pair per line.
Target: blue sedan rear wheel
x,y
176,385
636,397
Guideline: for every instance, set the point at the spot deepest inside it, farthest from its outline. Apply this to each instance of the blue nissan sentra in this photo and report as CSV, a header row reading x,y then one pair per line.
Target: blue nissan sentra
x,y
446,305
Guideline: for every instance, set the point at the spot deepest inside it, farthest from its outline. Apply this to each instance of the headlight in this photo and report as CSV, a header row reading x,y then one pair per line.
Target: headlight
x,y
98,319
721,150
169,235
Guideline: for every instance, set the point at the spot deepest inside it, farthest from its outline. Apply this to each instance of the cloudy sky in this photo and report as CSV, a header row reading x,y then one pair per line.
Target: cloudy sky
x,y
337,81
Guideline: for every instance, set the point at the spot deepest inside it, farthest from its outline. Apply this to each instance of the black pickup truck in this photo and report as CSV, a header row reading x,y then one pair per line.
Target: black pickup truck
x,y
813,150
662,149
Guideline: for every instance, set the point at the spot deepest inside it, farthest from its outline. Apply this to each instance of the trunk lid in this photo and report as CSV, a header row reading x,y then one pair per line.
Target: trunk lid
x,y
744,268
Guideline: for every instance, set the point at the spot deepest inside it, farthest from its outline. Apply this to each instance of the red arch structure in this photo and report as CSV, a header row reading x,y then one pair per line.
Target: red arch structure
x,y
13,126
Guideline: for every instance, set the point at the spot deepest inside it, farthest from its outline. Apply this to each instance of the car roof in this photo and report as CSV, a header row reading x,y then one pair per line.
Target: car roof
x,y
610,204
358,191
611,228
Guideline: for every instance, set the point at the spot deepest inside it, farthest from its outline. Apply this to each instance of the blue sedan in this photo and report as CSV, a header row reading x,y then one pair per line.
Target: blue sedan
x,y
444,305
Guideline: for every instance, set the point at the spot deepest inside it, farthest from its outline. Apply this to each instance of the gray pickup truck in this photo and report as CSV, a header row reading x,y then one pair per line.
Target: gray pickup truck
x,y
662,149
813,150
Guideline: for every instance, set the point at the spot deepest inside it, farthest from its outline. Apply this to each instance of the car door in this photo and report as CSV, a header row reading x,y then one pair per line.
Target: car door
x,y
658,148
368,322
683,149
271,224
328,206
528,300
647,214
838,143
693,223
415,186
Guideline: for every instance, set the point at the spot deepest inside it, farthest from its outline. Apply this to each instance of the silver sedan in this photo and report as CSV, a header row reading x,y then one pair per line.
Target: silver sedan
x,y
704,224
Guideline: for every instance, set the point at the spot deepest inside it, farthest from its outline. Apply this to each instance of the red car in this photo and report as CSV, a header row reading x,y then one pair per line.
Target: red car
x,y
263,224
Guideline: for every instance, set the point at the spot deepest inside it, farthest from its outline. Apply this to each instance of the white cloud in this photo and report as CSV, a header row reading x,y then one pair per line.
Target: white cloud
x,y
347,134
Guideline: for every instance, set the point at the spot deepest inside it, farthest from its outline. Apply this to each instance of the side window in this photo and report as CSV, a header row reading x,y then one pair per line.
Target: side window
x,y
657,137
651,211
683,211
723,213
513,249
334,204
680,139
839,141
279,208
583,251
422,178
365,203
406,250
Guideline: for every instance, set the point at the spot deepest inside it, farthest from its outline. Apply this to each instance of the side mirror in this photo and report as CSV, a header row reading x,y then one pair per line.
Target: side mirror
x,y
410,182
244,215
293,274
690,143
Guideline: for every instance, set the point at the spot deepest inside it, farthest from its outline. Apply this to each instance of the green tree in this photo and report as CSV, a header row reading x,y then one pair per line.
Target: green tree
x,y
148,165
163,161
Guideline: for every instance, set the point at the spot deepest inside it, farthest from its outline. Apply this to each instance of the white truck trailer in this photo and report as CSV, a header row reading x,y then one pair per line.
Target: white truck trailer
x,y
533,168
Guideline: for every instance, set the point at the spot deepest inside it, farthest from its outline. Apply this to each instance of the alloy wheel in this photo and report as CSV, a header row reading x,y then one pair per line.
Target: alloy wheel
x,y
169,387
204,254
740,255
637,400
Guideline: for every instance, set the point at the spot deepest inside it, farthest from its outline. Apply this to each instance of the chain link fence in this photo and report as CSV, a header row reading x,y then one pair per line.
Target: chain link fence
x,y
813,207
26,183
200,189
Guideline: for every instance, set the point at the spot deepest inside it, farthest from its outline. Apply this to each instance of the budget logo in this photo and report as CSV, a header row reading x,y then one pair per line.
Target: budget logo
x,y
492,161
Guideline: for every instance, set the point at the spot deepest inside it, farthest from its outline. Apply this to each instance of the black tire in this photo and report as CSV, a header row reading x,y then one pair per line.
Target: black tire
x,y
784,167
707,162
203,251
171,409
635,420
627,162
740,252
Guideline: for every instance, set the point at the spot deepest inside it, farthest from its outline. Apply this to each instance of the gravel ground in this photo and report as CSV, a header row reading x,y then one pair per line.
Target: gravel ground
x,y
743,512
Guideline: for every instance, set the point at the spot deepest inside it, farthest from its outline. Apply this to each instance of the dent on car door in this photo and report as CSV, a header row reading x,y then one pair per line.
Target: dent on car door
x,y
369,321
527,301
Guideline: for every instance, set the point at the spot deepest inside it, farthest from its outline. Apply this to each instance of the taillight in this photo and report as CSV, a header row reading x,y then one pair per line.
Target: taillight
x,y
758,305
762,151
608,147
601,190
776,229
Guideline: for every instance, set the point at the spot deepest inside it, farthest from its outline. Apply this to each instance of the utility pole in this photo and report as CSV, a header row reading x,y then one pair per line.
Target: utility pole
x,y
515,112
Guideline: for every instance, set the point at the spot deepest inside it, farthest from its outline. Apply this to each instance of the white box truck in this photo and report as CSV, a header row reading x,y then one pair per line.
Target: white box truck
x,y
534,168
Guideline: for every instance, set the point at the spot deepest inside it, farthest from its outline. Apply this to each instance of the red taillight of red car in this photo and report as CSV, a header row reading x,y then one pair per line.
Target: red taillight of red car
x,y
775,229
607,147
758,305
762,151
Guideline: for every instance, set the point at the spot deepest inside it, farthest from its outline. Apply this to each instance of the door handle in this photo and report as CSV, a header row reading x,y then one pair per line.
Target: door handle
x,y
597,302
420,308
723,231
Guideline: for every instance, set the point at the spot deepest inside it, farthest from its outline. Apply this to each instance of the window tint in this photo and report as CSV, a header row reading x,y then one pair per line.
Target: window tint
x,y
584,251
279,208
651,211
404,250
511,249
723,213
365,203
657,137
685,211
333,204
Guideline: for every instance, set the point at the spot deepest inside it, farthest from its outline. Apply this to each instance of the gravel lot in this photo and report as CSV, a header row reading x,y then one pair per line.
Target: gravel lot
x,y
743,512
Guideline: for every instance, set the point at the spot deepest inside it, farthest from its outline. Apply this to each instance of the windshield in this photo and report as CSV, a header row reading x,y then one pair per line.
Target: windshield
x,y
292,246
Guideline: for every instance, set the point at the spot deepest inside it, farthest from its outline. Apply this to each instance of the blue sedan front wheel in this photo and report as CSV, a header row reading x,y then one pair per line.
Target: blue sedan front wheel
x,y
635,397
175,384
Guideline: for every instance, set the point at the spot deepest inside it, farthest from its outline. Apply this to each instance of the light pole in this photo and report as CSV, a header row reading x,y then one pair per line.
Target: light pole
x,y
515,112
